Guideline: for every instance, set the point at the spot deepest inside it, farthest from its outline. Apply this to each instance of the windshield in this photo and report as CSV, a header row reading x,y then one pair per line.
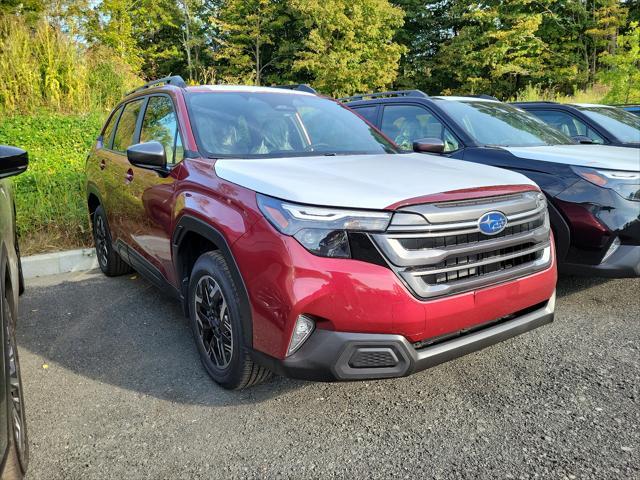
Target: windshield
x,y
494,123
266,125
624,125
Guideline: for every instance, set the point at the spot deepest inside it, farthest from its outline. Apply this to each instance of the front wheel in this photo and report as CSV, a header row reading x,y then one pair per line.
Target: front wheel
x,y
214,310
18,458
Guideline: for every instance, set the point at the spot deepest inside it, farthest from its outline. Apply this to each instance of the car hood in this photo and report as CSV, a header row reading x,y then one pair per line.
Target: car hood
x,y
597,156
361,181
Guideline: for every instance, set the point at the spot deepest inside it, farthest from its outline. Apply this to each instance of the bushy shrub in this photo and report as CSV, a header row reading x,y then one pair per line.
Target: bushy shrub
x,y
50,195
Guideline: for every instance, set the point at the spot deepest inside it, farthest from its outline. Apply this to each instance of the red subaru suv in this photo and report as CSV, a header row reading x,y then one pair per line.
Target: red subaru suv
x,y
300,241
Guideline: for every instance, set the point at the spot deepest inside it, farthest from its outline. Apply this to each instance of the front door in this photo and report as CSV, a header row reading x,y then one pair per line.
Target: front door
x,y
151,193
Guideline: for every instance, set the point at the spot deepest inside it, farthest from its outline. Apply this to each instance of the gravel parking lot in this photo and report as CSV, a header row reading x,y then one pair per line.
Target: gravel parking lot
x,y
114,389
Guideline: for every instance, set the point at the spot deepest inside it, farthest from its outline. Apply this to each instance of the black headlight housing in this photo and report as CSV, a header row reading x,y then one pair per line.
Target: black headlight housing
x,y
323,231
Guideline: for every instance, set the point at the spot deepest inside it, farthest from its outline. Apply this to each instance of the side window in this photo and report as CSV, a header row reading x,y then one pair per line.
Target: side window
x,y
368,113
126,129
406,123
107,132
567,124
160,124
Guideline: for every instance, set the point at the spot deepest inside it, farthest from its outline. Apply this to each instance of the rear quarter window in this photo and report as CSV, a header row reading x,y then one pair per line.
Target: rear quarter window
x,y
126,128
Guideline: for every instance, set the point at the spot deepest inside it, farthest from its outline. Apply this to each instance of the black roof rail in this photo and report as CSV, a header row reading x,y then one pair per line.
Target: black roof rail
x,y
176,80
303,87
396,93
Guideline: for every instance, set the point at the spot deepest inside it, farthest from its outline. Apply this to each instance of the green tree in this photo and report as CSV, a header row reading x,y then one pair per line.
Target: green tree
x,y
349,46
112,23
497,50
623,73
249,39
427,25
608,17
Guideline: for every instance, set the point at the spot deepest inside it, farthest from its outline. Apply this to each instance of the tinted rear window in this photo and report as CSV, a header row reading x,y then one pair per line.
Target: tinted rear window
x,y
123,138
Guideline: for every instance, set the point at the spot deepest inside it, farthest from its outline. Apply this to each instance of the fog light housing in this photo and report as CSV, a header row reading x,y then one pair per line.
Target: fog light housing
x,y
303,328
612,249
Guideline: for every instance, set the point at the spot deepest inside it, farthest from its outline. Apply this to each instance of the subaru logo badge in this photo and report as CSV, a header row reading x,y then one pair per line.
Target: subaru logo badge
x,y
492,223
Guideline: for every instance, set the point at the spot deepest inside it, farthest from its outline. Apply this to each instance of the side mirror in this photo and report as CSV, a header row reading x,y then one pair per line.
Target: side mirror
x,y
13,161
583,139
149,155
428,145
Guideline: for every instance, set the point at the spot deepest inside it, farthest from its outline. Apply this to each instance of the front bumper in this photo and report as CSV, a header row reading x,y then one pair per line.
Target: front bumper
x,y
331,355
623,263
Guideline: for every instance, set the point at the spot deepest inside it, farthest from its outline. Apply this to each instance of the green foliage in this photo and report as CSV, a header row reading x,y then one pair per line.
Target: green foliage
x,y
50,195
497,49
532,93
44,68
249,39
349,47
624,68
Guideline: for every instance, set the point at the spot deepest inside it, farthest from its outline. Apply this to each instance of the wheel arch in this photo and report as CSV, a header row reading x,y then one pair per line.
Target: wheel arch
x,y
6,283
191,238
94,199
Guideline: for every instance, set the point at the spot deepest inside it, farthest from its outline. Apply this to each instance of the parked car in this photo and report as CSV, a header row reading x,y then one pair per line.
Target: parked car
x,y
635,109
299,241
13,442
593,191
587,123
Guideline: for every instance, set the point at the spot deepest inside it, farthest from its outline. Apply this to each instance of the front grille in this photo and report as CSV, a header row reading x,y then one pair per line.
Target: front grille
x,y
447,253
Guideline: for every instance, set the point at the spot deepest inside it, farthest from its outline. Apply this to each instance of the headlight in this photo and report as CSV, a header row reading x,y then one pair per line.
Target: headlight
x,y
625,183
321,230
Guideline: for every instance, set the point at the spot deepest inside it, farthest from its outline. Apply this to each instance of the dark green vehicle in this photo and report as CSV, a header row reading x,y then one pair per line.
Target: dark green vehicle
x,y
14,451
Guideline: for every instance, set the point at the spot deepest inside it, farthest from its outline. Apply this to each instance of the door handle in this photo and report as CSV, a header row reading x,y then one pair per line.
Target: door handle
x,y
128,178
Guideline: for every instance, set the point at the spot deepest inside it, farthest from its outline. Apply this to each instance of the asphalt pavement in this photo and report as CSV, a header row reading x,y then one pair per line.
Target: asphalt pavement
x,y
114,389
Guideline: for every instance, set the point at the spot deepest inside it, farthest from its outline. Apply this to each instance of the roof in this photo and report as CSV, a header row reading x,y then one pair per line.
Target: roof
x,y
466,99
591,105
245,88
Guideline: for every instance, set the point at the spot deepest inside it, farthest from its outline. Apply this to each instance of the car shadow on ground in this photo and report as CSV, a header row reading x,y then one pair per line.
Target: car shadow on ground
x,y
125,332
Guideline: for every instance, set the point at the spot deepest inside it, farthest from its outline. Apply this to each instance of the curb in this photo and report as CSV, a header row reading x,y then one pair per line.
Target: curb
x,y
59,262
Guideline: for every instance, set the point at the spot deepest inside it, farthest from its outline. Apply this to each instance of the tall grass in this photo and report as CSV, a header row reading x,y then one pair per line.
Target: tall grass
x,y
532,93
44,68
54,94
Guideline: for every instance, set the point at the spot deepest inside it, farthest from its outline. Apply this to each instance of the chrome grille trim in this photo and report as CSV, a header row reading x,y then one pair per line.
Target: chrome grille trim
x,y
453,256
470,226
460,286
471,265
399,256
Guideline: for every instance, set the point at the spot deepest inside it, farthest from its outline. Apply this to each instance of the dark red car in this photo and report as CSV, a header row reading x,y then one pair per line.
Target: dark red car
x,y
299,240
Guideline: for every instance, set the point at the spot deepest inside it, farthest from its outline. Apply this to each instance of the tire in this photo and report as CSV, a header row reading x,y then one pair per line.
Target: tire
x,y
109,261
214,311
20,272
18,457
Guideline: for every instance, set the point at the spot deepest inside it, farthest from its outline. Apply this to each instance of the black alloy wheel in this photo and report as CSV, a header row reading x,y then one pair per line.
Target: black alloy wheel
x,y
213,322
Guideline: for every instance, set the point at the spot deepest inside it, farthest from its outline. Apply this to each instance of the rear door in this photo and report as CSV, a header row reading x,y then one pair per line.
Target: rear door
x,y
568,124
120,206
